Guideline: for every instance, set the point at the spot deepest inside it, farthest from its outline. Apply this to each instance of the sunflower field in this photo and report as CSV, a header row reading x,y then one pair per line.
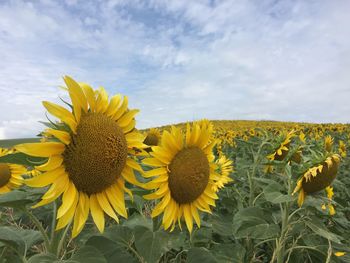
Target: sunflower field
x,y
92,188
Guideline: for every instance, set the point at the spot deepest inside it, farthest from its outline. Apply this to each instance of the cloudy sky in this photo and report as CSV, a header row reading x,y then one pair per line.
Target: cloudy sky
x,y
178,60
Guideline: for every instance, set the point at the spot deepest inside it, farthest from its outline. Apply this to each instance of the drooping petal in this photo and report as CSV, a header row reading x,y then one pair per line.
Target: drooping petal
x,y
42,149
97,213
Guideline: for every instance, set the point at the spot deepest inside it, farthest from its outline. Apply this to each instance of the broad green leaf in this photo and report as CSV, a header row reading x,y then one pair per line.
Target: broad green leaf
x,y
150,245
15,198
44,258
318,228
254,222
138,220
273,194
114,244
222,224
13,239
200,255
228,253
87,254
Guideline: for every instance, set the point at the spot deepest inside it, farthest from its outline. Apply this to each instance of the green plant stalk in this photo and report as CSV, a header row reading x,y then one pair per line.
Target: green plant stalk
x,y
39,226
285,209
63,238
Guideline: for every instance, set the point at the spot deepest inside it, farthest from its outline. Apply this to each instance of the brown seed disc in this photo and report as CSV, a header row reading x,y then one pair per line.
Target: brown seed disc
x,y
189,175
151,140
5,174
321,180
97,153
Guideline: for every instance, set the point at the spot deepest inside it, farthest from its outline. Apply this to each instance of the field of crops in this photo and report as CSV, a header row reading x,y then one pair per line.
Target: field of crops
x,y
93,188
255,218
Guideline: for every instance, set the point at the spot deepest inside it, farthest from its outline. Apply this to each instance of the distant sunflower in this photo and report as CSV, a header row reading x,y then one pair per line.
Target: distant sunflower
x,y
342,149
10,174
184,175
224,169
90,159
152,138
282,150
318,177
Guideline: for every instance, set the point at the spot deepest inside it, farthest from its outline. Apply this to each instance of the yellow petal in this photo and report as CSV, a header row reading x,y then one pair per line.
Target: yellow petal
x,y
113,105
188,217
301,197
97,213
54,162
195,215
90,95
61,135
127,118
115,196
77,96
68,216
121,109
102,101
153,162
106,206
42,149
155,172
61,113
130,127
81,214
129,176
67,200
56,189
45,179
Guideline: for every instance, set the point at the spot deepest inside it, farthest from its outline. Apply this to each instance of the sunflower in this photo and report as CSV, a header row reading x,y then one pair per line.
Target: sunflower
x,y
152,138
224,169
184,175
342,149
10,174
90,159
282,150
317,178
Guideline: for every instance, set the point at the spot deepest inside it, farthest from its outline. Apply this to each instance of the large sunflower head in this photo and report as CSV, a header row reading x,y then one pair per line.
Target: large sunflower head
x,y
184,175
318,177
89,157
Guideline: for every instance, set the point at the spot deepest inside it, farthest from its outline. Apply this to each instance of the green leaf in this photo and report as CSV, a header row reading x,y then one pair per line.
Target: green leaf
x,y
114,244
228,252
318,228
150,245
87,254
254,222
43,258
30,237
12,239
200,255
15,198
138,220
222,224
273,194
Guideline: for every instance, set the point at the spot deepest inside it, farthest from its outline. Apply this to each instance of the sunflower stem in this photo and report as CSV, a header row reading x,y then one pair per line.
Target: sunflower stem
x,y
53,222
63,239
37,223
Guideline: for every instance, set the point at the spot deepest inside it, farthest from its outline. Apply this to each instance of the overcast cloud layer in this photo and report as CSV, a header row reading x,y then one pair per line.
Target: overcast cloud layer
x,y
178,60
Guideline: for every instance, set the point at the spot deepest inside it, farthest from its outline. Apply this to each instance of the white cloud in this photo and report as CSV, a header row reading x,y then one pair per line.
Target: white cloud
x,y
178,60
